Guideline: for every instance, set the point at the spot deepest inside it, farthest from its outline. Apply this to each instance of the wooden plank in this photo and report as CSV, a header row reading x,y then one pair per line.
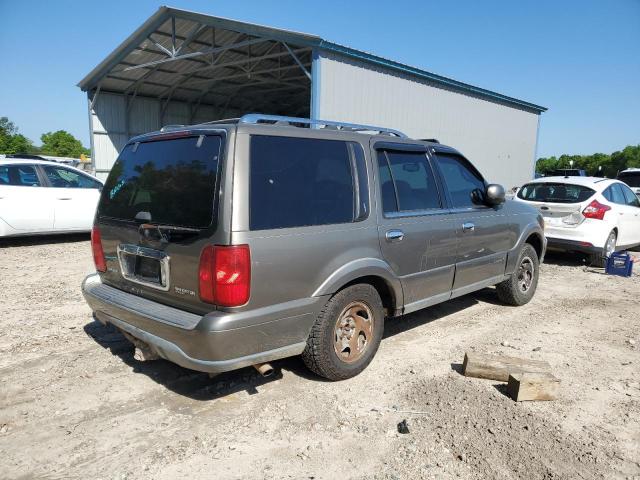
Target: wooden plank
x,y
498,367
533,386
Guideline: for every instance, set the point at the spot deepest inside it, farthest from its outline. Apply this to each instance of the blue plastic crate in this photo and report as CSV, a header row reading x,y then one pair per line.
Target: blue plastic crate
x,y
619,264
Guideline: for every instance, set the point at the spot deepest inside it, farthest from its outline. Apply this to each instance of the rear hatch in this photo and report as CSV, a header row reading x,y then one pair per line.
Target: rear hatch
x,y
561,204
157,211
632,179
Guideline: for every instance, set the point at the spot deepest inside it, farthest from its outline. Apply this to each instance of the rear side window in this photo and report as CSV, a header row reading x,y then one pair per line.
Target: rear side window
x,y
407,182
615,194
19,176
555,193
169,182
297,182
461,180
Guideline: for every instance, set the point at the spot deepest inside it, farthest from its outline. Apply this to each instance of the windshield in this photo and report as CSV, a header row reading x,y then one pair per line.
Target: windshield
x,y
169,181
630,178
555,193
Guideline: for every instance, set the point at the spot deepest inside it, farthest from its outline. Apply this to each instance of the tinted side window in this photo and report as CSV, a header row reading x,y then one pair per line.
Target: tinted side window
x,y
298,182
407,182
461,179
61,177
617,195
19,176
629,196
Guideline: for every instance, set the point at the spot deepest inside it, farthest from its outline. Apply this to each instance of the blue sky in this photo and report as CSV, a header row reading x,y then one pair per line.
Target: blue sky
x,y
581,59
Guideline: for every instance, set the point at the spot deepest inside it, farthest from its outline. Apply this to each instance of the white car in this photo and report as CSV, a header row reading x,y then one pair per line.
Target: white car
x,y
586,214
39,197
631,176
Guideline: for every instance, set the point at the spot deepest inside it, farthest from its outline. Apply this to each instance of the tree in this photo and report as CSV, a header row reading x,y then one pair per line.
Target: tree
x,y
62,144
11,141
611,164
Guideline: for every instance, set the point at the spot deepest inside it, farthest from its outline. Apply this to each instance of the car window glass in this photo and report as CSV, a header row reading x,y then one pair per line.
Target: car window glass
x,y
407,182
607,194
297,182
617,195
19,175
460,179
630,178
61,177
552,192
629,196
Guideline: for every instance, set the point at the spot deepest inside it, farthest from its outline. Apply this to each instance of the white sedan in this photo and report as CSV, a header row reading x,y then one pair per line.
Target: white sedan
x,y
39,197
586,214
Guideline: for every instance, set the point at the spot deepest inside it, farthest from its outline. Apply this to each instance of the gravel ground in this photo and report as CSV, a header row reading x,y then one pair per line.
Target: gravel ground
x,y
75,404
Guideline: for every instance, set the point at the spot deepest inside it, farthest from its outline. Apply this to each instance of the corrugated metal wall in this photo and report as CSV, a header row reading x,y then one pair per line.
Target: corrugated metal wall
x,y
112,127
498,139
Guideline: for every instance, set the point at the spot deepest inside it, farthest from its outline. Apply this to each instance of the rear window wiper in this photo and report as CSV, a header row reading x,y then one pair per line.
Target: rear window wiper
x,y
165,232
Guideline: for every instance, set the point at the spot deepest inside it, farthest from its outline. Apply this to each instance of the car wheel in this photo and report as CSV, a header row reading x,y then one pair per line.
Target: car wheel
x,y
599,259
521,285
346,334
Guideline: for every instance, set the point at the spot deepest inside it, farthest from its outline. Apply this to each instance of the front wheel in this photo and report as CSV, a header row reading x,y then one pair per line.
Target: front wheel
x,y
521,285
346,334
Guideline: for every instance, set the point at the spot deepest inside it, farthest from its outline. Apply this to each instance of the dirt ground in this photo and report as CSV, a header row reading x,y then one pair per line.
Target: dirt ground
x,y
75,404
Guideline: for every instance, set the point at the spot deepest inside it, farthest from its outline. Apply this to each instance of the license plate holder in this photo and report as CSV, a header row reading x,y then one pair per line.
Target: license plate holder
x,y
144,266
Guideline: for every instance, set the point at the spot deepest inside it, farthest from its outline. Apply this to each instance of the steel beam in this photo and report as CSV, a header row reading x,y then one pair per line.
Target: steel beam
x,y
295,57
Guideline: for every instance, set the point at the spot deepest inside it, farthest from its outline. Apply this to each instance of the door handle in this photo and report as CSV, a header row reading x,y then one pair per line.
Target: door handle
x,y
394,235
468,227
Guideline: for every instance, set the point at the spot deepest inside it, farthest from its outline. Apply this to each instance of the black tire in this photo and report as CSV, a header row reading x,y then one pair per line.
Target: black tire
x,y
599,259
512,291
320,354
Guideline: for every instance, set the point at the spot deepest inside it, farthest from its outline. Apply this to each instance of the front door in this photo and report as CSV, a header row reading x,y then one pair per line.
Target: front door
x,y
417,237
484,232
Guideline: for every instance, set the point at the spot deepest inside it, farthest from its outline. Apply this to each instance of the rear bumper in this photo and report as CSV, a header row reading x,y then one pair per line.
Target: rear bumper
x,y
215,342
571,245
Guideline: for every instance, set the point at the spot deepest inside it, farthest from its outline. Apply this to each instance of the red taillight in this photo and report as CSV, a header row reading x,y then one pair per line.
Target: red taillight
x,y
225,275
595,210
96,248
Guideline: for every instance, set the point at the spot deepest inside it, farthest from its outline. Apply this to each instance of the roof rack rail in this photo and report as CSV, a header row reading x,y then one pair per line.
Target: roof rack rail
x,y
255,118
431,140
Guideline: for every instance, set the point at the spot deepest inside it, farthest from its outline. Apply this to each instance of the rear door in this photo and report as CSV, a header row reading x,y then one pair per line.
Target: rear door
x,y
634,214
485,233
158,210
627,212
24,205
417,237
74,196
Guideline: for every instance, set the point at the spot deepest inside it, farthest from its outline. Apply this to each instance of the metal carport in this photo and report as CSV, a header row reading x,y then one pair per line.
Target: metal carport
x,y
182,67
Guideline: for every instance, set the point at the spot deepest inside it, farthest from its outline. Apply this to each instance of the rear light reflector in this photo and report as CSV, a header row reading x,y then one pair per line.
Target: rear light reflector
x,y
225,275
98,252
596,210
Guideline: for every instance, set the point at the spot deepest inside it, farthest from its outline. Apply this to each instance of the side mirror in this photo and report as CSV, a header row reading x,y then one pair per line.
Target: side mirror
x,y
494,194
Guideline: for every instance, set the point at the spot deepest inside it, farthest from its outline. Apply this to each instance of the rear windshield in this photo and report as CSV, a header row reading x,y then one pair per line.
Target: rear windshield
x,y
555,193
630,178
168,182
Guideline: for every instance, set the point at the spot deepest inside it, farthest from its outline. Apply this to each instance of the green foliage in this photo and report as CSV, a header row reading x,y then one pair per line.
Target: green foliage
x,y
62,144
611,164
11,141
58,144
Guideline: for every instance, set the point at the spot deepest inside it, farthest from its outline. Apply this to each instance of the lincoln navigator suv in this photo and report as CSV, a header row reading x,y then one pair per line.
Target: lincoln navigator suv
x,y
235,243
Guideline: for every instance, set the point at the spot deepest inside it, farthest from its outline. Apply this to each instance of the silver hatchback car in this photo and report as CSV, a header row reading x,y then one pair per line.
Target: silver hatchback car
x,y
235,243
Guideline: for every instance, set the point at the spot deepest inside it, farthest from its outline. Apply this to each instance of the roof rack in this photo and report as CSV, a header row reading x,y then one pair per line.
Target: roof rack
x,y
255,118
431,140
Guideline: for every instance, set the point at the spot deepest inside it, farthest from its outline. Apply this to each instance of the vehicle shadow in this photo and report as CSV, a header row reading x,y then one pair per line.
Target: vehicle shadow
x,y
189,383
566,259
43,240
200,386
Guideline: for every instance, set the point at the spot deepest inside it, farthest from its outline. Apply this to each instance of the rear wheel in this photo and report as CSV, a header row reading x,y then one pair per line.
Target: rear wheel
x,y
599,259
346,334
520,287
